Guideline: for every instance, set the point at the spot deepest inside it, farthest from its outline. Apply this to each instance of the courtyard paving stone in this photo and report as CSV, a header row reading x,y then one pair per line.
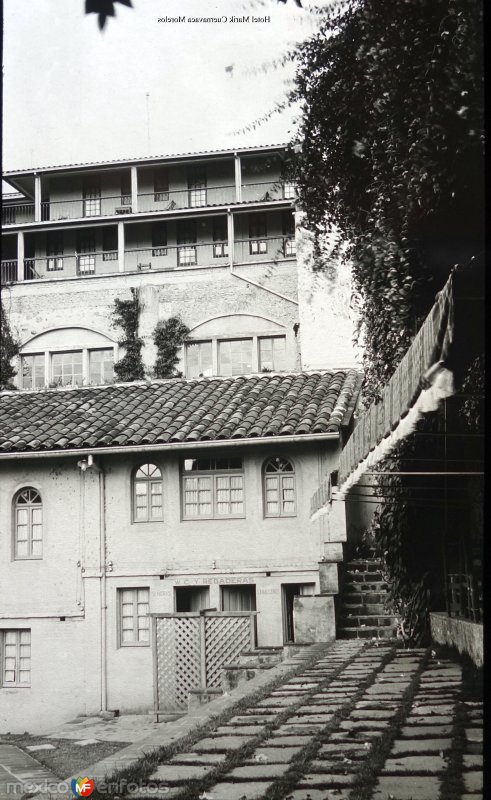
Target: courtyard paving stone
x,y
258,772
473,781
175,773
273,755
220,744
416,787
236,791
407,746
433,764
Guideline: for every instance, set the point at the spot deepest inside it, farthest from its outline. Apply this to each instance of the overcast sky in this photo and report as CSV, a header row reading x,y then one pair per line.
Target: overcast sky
x,y
72,94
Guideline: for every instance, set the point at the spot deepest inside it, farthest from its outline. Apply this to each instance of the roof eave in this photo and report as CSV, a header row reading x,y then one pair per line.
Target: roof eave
x,y
171,446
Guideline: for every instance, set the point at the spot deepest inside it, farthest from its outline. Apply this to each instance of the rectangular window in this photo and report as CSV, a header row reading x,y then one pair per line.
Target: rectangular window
x,y
92,197
279,495
191,598
187,236
134,622
101,366
289,245
199,360
54,251
110,244
15,647
86,247
220,237
126,189
257,234
197,187
32,371
238,598
160,184
66,368
289,191
235,357
272,354
213,488
159,239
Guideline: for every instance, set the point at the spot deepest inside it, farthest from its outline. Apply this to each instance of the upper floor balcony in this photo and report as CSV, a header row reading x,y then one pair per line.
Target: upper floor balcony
x,y
135,246
162,187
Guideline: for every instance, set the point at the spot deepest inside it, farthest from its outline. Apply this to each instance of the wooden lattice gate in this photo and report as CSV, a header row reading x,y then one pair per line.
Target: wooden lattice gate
x,y
190,650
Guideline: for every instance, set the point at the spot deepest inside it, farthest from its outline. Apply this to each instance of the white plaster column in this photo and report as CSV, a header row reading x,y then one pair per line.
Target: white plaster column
x,y
134,190
121,246
230,232
20,256
238,179
37,198
85,367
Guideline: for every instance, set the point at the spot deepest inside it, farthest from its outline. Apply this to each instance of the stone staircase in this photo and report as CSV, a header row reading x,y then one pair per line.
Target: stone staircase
x,y
363,614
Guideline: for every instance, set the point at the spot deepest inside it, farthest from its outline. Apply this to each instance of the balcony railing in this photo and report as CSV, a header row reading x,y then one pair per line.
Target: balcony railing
x,y
16,215
8,273
160,257
465,596
266,248
158,202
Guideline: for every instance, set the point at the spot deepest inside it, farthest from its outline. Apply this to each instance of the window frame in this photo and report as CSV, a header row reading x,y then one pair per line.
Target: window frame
x,y
134,591
281,514
14,684
91,351
54,251
21,370
160,184
159,238
231,341
214,475
199,342
259,362
71,352
30,506
149,481
92,200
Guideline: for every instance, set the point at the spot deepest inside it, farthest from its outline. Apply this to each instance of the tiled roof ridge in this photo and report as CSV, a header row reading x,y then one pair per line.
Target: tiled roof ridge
x,y
149,158
166,381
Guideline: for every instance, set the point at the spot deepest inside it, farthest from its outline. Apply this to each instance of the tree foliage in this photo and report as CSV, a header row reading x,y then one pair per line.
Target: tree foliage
x,y
392,154
104,9
168,336
9,348
126,315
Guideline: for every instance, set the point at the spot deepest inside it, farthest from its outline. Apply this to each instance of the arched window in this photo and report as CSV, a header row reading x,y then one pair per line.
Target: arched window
x,y
279,488
28,524
147,493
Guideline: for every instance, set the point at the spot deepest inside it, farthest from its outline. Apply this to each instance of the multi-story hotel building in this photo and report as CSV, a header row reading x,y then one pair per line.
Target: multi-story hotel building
x,y
161,495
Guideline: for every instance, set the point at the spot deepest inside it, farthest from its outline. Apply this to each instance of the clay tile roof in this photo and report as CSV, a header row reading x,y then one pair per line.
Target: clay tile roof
x,y
178,411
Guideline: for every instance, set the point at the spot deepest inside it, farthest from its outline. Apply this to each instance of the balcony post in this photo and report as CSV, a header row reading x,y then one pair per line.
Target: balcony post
x,y
20,256
37,198
238,179
134,190
230,231
121,246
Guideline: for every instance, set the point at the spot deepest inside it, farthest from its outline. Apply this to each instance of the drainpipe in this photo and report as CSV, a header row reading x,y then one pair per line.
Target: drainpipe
x,y
84,465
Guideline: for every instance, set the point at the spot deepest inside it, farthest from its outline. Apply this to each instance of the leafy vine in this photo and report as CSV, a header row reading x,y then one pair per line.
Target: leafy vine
x,y
126,315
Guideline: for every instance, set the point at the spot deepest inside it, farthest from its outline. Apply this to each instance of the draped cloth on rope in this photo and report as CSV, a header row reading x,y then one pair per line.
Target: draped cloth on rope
x,y
419,384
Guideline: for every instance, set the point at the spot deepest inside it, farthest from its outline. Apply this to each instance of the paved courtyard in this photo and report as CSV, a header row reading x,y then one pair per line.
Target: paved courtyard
x,y
360,721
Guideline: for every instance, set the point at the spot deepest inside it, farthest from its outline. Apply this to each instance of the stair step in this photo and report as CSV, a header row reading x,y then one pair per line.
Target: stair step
x,y
365,564
372,586
366,633
364,608
359,576
359,598
368,621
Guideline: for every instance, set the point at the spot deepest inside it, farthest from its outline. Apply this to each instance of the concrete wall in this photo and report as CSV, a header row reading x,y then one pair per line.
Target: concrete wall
x,y
327,323
197,295
66,582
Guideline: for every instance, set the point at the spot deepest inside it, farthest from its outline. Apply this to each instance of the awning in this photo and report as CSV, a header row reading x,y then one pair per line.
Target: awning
x,y
421,381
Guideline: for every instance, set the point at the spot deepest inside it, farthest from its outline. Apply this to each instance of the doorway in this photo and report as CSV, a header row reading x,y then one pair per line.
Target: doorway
x,y
288,592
